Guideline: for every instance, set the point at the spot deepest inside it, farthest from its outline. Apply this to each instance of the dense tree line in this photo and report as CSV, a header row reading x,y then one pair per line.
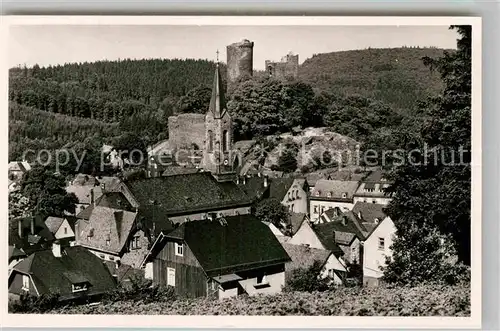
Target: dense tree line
x,y
394,76
432,194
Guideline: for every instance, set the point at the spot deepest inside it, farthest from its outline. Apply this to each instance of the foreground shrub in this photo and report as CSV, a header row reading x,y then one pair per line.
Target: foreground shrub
x,y
34,305
425,300
307,280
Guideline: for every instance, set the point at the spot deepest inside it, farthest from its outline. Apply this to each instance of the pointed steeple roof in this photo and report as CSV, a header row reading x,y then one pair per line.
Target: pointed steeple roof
x,y
217,101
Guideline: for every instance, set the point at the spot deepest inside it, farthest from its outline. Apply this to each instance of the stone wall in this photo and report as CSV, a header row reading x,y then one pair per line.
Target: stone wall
x,y
185,130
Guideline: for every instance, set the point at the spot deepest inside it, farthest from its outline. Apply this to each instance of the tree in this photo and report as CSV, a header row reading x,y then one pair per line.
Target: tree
x,y
46,193
195,101
432,193
287,161
272,211
308,280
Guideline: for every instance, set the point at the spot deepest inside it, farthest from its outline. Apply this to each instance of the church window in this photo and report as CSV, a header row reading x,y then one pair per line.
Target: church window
x,y
225,141
210,141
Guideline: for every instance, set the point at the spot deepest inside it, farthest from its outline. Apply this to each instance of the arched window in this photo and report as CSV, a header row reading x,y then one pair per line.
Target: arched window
x,y
210,141
225,141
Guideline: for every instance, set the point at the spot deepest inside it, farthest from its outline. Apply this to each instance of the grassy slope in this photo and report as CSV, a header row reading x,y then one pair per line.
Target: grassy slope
x,y
396,76
417,301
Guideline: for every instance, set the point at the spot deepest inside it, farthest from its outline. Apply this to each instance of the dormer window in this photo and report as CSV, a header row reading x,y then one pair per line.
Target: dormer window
x,y
318,193
108,239
330,194
80,287
344,195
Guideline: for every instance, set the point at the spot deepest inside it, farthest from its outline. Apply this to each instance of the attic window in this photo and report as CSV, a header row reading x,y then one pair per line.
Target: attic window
x,y
108,239
135,243
344,195
80,287
318,193
330,194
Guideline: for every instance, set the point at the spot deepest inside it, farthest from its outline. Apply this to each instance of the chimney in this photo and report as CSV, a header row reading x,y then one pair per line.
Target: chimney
x,y
20,228
32,225
266,181
92,200
56,249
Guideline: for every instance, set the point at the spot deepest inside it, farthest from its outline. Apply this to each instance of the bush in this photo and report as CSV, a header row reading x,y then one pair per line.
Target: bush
x,y
140,289
423,300
30,304
307,280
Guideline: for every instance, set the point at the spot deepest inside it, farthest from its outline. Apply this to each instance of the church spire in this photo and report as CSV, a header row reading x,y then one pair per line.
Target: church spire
x,y
217,101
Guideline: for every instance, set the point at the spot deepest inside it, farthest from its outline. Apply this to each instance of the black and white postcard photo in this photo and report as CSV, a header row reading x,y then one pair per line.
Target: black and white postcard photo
x,y
250,171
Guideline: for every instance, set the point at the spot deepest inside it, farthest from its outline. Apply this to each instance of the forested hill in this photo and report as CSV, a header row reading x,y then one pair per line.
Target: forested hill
x,y
395,76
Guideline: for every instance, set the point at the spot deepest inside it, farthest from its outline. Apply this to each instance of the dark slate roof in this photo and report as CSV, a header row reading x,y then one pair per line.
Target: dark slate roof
x,y
42,233
54,223
179,170
56,274
106,224
369,211
15,252
85,214
303,257
334,190
296,220
376,176
180,194
254,187
115,200
329,233
279,187
244,243
344,233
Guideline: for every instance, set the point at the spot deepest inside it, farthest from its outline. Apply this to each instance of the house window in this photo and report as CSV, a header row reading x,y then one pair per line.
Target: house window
x,y
65,230
179,249
135,243
171,276
291,208
353,252
102,256
80,287
330,273
381,243
315,209
26,283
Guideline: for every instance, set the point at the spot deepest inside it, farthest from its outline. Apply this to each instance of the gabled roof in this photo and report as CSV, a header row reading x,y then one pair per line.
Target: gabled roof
x,y
54,223
369,211
217,101
334,189
243,243
107,229
296,220
279,187
15,252
352,223
180,194
115,200
332,233
303,257
57,274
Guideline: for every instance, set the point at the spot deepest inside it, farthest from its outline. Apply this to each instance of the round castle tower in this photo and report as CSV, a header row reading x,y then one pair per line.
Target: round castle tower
x,y
239,60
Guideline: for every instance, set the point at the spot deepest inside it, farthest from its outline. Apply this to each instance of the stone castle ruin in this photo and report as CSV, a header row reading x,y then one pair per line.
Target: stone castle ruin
x,y
287,68
239,60
188,131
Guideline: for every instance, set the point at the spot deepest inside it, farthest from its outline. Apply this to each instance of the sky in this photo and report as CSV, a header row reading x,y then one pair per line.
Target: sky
x,y
58,44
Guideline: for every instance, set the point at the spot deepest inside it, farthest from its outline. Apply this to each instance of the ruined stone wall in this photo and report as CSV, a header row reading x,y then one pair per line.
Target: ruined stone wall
x,y
288,67
239,60
185,130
